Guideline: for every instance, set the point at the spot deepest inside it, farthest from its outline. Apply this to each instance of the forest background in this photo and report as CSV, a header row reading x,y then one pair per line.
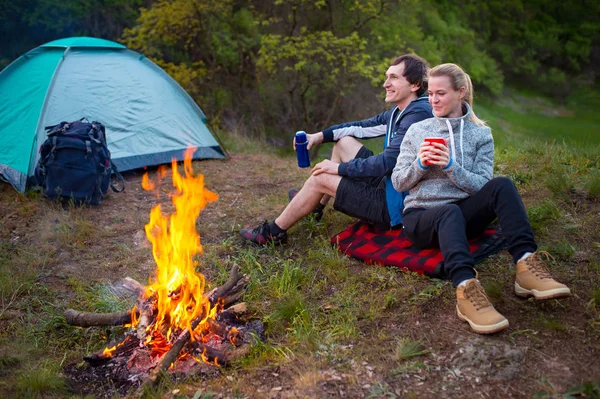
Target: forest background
x,y
267,69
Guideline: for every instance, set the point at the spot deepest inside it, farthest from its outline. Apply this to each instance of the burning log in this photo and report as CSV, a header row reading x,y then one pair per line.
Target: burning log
x,y
147,308
123,348
234,288
229,293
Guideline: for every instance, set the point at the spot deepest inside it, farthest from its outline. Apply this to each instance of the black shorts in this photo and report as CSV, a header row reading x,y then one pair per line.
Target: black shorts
x,y
363,198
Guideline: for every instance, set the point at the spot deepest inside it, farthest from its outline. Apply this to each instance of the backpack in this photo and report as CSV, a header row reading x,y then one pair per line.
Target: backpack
x,y
75,163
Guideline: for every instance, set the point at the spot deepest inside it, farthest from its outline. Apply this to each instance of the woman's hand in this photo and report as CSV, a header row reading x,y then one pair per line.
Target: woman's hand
x,y
312,139
434,154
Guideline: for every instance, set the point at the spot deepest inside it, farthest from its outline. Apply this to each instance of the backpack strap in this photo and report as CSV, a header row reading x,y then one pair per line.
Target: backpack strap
x,y
119,177
100,133
61,128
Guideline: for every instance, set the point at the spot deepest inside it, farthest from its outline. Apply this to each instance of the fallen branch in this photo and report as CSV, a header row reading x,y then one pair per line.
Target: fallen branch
x,y
88,319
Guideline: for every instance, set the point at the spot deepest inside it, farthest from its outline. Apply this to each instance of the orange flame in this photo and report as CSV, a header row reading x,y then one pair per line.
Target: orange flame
x,y
108,352
178,287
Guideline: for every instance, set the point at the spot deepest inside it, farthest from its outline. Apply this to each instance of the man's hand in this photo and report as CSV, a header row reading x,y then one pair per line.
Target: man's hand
x,y
313,139
325,166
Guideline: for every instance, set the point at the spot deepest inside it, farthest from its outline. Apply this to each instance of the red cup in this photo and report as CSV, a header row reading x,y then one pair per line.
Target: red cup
x,y
440,140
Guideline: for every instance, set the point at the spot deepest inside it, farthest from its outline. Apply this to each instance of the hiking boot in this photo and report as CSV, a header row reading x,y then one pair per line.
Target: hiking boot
x,y
262,235
474,307
317,213
534,279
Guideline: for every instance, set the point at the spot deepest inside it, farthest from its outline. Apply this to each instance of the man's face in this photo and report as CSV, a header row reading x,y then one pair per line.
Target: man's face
x,y
397,89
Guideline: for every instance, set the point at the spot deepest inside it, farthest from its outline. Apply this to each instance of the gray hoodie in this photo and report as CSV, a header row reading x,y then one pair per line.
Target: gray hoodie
x,y
471,166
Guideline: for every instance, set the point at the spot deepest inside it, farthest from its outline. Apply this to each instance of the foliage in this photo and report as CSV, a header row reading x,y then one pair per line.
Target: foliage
x,y
543,39
207,46
265,68
312,66
29,23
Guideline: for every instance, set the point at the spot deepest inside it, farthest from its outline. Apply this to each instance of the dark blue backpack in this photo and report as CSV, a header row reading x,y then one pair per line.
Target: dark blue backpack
x,y
75,163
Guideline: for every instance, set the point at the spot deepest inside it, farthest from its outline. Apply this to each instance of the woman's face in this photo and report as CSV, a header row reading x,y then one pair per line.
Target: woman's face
x,y
446,102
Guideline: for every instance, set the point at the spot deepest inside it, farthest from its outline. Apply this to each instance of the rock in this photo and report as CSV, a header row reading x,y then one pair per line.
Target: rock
x,y
479,357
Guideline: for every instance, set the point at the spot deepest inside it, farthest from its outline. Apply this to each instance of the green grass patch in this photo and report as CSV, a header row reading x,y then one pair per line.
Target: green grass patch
x,y
593,187
381,390
551,323
543,215
562,250
42,381
493,289
516,117
560,184
406,349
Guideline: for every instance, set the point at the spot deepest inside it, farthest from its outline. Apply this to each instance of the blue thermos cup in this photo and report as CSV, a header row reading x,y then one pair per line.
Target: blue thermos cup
x,y
301,150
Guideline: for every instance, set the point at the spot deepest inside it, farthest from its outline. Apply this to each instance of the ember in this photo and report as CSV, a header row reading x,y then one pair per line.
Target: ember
x,y
175,324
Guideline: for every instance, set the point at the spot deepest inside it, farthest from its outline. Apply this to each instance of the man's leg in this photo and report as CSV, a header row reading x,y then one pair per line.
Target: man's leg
x,y
301,205
315,193
344,150
315,188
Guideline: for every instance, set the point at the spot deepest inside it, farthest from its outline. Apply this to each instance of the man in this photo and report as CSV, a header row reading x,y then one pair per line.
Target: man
x,y
357,179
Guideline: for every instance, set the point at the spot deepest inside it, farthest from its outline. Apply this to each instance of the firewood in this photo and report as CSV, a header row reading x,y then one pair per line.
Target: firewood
x,y
236,282
232,285
146,311
238,308
122,348
212,355
88,319
170,356
133,286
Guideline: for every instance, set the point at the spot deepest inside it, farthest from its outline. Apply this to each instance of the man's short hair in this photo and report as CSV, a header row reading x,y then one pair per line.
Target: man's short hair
x,y
415,70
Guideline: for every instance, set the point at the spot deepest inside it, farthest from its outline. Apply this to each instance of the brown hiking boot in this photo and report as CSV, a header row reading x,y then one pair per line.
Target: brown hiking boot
x,y
533,278
474,307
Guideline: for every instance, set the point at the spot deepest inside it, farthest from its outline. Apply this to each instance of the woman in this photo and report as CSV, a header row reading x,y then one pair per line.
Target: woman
x,y
452,197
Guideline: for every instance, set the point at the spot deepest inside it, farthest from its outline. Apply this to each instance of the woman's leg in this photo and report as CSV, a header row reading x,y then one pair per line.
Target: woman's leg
x,y
443,227
499,198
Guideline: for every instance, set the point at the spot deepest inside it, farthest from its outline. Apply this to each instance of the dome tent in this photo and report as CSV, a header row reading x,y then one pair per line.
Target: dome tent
x,y
149,118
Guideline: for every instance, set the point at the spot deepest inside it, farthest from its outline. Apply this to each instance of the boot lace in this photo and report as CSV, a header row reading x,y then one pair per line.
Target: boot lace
x,y
477,295
262,229
537,265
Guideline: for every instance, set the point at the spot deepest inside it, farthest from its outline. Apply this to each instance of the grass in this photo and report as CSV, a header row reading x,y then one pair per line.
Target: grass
x,y
323,311
406,349
516,117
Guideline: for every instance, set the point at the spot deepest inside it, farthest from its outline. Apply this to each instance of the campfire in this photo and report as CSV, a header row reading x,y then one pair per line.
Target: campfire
x,y
175,326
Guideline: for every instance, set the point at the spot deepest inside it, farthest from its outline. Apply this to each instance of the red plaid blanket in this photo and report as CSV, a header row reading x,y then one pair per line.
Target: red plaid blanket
x,y
374,245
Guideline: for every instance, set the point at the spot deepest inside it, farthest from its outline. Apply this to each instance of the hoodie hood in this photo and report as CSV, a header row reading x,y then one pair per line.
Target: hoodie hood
x,y
453,123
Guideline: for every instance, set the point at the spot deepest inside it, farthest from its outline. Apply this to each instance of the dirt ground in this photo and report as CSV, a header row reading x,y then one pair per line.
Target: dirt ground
x,y
526,359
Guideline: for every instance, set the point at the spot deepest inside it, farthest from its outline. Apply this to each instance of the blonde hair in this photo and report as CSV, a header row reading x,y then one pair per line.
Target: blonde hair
x,y
458,79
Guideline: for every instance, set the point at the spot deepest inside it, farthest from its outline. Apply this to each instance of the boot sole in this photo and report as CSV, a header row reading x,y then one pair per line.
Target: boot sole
x,y
542,295
490,329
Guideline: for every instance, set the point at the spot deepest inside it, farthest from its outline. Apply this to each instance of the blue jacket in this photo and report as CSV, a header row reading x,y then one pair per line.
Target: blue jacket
x,y
392,123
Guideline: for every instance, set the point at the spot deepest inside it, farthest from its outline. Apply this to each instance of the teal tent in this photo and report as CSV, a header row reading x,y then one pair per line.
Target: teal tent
x,y
149,118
